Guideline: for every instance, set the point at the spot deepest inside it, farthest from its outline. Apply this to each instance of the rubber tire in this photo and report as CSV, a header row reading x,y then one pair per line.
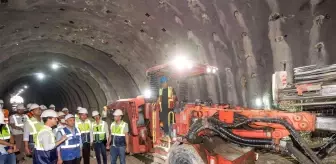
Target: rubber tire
x,y
184,154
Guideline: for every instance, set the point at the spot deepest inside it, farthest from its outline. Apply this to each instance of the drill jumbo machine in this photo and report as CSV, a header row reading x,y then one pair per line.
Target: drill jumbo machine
x,y
207,133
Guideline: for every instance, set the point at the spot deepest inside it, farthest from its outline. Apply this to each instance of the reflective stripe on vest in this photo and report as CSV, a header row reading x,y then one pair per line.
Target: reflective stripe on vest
x,y
170,97
38,144
5,133
99,130
118,130
35,127
66,144
16,121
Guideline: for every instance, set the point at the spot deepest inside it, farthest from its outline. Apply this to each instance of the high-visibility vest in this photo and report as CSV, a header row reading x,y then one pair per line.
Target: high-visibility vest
x,y
70,149
35,127
38,144
16,117
5,133
117,133
99,130
84,128
170,97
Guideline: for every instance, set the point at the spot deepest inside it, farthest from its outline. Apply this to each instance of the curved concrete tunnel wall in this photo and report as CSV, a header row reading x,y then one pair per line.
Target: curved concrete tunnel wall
x,y
118,40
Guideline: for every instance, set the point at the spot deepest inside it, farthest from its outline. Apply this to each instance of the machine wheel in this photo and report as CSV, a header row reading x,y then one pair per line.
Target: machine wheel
x,y
184,154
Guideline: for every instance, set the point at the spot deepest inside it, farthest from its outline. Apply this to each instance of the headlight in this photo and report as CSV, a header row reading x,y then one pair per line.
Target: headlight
x,y
208,70
147,94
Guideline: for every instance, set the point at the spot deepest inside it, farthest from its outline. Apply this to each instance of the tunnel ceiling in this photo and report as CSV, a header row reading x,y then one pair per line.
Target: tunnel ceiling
x,y
105,46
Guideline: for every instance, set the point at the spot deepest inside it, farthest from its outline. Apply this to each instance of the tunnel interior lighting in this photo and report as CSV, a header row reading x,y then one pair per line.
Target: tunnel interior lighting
x,y
258,102
181,62
16,100
147,94
40,76
54,66
25,86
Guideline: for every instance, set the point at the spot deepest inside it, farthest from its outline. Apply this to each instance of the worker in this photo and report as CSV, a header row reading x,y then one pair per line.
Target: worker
x,y
100,133
166,100
17,122
61,122
52,106
69,152
7,149
43,107
76,115
65,111
85,128
31,128
45,146
119,138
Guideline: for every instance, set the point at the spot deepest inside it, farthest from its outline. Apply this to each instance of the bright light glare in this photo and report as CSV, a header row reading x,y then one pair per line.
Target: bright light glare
x,y
214,70
147,94
54,66
258,102
182,62
16,100
208,70
25,86
21,90
40,76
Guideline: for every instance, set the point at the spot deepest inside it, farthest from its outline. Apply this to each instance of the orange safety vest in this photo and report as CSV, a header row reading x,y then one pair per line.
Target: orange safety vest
x,y
170,98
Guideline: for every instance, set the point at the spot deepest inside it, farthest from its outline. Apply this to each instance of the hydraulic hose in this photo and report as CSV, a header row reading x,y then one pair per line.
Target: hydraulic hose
x,y
198,126
220,125
299,156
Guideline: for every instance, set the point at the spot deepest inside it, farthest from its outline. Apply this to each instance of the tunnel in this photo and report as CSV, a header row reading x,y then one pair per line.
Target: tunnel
x,y
90,53
103,48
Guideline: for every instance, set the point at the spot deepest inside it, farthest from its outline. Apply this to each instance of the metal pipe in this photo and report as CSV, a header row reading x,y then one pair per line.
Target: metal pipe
x,y
315,103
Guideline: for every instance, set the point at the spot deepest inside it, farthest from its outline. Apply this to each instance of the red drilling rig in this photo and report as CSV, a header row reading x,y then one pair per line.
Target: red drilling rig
x,y
206,133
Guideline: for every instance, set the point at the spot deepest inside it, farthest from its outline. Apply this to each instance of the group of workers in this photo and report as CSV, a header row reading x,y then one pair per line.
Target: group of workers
x,y
51,137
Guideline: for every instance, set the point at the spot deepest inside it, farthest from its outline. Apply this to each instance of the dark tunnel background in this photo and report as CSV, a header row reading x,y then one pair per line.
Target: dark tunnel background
x,y
105,47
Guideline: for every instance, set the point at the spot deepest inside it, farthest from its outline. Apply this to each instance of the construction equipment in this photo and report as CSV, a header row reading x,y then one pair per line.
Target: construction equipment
x,y
207,133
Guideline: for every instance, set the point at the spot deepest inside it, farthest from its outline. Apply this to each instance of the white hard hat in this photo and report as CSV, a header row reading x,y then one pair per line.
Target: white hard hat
x,y
49,113
33,106
2,118
83,111
28,105
60,114
20,106
78,108
117,112
43,107
65,109
95,113
52,106
1,101
69,116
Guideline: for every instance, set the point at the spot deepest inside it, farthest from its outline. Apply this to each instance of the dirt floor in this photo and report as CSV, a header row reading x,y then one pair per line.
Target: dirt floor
x,y
266,158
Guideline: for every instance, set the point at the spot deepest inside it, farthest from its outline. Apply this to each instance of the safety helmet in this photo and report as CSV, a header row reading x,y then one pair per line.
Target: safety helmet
x,y
43,107
117,112
51,106
83,111
69,116
60,114
1,101
65,109
49,113
95,113
163,79
20,106
33,106
28,105
78,108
